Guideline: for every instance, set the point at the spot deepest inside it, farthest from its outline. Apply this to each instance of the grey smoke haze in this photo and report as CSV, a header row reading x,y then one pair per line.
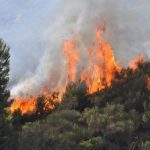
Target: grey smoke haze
x,y
127,29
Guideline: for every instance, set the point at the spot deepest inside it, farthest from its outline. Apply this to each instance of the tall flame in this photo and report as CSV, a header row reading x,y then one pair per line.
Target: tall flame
x,y
73,58
97,75
102,65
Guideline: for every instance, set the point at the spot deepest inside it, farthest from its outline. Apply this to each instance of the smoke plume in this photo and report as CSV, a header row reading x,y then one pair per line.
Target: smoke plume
x,y
126,23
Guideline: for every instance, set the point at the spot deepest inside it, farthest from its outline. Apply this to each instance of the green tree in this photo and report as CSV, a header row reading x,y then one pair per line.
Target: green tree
x,y
146,114
60,130
75,97
129,89
4,132
109,128
4,94
4,75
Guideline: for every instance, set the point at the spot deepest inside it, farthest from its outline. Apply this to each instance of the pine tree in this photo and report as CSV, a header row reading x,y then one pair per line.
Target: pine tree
x,y
4,75
4,94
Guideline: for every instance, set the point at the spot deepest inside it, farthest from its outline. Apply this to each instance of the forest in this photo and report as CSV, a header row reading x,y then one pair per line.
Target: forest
x,y
114,118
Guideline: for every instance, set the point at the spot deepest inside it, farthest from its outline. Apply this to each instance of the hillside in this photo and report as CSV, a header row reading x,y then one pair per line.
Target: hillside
x,y
114,118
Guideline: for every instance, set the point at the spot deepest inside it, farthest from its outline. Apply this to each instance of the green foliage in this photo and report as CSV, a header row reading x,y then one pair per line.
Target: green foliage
x,y
4,75
129,89
75,97
59,130
16,119
146,114
115,118
94,143
87,144
5,130
112,123
146,145
109,128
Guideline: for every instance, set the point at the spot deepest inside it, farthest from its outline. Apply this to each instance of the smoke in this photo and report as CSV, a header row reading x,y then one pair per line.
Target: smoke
x,y
126,22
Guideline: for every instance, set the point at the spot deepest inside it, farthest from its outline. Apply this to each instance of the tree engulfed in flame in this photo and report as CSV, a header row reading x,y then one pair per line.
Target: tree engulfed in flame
x,y
29,105
25,105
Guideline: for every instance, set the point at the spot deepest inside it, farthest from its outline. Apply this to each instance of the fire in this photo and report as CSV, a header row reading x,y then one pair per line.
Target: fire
x,y
134,63
29,105
148,83
25,105
73,58
102,65
97,75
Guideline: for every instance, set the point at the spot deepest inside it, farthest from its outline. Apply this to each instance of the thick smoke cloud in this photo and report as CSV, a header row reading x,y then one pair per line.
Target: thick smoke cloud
x,y
127,29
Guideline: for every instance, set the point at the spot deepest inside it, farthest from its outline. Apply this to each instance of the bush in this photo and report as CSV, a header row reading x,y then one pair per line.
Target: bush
x,y
111,123
60,130
75,97
130,89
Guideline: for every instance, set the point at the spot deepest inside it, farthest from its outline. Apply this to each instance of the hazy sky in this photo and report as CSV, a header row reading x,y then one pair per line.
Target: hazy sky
x,y
21,25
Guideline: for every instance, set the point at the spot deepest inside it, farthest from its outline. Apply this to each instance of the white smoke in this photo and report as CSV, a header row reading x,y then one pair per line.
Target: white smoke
x,y
127,29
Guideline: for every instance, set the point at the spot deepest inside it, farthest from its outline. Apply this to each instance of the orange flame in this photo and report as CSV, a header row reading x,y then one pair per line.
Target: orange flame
x,y
26,106
73,58
102,66
134,63
97,75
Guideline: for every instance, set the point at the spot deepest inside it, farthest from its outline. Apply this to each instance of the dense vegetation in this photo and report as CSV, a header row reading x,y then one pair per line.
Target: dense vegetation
x,y
116,118
4,93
